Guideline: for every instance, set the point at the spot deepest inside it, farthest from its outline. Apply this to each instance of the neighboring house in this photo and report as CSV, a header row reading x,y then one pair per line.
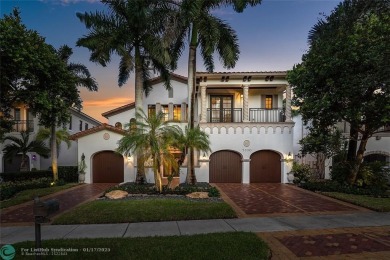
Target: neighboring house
x,y
377,149
246,114
25,121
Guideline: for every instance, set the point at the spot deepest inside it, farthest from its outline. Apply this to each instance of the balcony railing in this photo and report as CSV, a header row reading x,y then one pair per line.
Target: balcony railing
x,y
224,115
23,125
262,115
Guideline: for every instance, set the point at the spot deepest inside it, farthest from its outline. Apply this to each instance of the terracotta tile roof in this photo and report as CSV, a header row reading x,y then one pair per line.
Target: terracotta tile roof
x,y
119,110
243,72
96,129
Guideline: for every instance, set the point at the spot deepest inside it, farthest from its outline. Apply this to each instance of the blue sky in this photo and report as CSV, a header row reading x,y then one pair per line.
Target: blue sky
x,y
272,36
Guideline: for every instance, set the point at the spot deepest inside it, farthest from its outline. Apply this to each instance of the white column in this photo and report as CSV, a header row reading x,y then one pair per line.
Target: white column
x,y
245,170
204,104
245,107
288,103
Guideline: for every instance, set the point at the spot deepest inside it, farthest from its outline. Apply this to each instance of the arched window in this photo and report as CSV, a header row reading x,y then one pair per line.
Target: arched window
x,y
132,124
118,125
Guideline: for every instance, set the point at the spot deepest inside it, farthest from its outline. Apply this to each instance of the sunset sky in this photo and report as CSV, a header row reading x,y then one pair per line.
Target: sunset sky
x,y
272,36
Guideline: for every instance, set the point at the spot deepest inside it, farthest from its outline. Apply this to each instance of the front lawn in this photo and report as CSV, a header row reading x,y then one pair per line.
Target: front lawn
x,y
377,204
28,195
145,210
233,245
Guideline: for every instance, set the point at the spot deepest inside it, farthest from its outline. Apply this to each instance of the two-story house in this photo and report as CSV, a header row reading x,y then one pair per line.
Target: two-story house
x,y
247,116
24,120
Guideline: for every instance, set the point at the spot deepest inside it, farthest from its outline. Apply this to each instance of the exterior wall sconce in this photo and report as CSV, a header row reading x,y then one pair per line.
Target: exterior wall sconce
x,y
34,157
129,158
289,157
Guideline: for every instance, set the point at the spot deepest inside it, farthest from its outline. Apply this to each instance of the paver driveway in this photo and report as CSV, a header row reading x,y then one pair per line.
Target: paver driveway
x,y
276,198
68,199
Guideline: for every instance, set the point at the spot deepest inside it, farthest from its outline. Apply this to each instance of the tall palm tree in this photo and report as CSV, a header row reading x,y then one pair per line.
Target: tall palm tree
x,y
134,30
23,145
62,135
83,78
212,35
153,138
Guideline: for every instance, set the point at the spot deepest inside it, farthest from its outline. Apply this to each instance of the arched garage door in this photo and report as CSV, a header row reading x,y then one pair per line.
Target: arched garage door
x,y
225,166
107,167
265,167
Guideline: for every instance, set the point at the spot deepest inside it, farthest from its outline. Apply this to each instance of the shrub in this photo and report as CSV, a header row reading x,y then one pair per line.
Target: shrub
x,y
68,173
9,189
340,171
23,176
302,172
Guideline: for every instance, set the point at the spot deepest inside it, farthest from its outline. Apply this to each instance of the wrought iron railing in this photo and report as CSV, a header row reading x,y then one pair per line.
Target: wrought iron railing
x,y
23,125
224,115
263,115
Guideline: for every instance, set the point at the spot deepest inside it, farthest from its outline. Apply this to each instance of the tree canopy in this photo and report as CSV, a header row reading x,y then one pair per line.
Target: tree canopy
x,y
345,75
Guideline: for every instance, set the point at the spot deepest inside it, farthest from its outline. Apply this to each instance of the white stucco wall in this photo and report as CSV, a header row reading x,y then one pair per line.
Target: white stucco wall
x,y
93,143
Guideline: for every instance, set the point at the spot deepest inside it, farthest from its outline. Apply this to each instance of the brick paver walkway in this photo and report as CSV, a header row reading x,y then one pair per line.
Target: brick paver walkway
x,y
343,243
276,198
67,199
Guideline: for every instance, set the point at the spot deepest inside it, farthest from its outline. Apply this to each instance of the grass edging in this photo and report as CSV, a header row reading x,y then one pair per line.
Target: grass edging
x,y
230,245
376,204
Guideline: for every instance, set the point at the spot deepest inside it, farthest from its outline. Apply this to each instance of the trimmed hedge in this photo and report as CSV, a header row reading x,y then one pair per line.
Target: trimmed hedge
x,y
66,173
9,189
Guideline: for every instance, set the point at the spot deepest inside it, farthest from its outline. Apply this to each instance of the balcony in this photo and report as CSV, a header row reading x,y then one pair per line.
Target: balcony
x,y
256,115
23,125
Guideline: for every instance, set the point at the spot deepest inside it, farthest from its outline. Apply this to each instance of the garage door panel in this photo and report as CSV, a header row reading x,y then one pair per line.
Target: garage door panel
x,y
265,167
225,167
108,167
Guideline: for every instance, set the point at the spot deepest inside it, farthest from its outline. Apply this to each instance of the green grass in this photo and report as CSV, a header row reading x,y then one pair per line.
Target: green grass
x,y
123,211
28,195
377,204
233,245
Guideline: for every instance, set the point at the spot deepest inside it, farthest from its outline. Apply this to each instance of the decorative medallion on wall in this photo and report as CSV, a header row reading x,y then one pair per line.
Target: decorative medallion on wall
x,y
247,143
106,136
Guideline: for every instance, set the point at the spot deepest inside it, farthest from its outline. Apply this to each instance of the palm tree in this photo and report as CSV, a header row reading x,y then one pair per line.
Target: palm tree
x,y
133,30
62,135
23,146
83,78
196,139
153,138
211,34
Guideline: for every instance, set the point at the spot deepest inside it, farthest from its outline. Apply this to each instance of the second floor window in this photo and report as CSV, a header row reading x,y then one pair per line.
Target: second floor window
x,y
268,102
81,126
17,114
176,112
86,126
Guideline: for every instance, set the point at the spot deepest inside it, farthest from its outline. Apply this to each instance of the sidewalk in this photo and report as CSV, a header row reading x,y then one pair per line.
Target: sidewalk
x,y
10,235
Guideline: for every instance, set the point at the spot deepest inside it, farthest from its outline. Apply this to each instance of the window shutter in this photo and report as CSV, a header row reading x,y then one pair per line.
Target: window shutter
x,y
170,111
262,104
184,111
275,101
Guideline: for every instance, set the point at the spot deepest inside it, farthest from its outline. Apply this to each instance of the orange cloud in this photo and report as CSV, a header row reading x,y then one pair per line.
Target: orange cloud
x,y
109,102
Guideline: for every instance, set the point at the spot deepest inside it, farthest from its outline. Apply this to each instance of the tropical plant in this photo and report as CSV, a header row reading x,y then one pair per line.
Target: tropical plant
x,y
202,29
192,138
154,138
62,135
133,30
22,145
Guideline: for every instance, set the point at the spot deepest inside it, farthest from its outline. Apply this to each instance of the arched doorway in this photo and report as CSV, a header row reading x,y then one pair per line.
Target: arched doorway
x,y
265,167
107,167
375,157
225,167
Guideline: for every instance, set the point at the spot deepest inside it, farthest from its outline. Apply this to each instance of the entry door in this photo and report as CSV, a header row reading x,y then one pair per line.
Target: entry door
x,y
221,109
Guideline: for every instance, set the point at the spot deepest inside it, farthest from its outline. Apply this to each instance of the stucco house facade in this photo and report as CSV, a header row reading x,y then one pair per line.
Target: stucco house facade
x,y
248,123
24,120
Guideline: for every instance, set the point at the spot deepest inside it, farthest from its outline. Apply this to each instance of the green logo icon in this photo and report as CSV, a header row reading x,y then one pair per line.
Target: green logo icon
x,y
7,252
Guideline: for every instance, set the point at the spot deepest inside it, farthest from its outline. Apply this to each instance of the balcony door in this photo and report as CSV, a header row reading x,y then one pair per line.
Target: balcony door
x,y
221,109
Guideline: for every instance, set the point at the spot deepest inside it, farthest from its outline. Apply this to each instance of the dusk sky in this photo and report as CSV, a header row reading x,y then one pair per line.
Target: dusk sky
x,y
272,36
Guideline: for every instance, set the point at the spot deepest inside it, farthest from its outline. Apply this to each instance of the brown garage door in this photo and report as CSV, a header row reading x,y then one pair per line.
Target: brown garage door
x,y
107,167
225,166
265,167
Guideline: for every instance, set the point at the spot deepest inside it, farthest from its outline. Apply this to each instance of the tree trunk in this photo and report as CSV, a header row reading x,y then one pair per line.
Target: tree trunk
x,y
23,164
359,159
352,143
191,178
140,177
320,165
53,145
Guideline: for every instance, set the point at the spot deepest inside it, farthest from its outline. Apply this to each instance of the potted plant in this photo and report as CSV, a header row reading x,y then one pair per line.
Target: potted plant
x,y
82,167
